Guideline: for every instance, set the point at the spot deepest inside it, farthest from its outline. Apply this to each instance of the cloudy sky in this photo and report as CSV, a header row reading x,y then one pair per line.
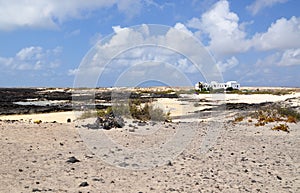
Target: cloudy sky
x,y
43,43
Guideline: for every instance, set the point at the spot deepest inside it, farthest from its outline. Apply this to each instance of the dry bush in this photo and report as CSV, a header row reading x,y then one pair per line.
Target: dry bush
x,y
275,114
291,119
239,119
281,127
137,110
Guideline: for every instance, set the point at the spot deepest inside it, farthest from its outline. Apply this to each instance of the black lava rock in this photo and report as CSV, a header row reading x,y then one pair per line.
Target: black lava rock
x,y
72,160
83,184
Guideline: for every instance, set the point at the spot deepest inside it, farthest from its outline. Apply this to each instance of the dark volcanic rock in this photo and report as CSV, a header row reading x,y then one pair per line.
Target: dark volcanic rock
x,y
72,160
83,184
108,122
9,97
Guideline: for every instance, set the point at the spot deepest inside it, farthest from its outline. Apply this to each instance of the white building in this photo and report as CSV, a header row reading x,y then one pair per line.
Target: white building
x,y
217,85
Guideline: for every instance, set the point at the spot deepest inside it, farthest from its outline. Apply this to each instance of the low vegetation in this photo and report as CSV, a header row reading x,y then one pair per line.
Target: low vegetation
x,y
266,91
281,127
239,119
141,111
133,109
273,114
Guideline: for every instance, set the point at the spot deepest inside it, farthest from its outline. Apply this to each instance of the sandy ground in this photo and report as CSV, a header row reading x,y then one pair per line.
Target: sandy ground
x,y
60,117
243,158
216,155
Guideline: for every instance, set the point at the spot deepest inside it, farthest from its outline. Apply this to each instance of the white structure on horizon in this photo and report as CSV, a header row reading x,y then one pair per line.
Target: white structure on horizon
x,y
217,85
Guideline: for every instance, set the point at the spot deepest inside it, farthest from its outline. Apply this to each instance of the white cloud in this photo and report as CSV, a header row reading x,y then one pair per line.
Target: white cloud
x,y
270,60
184,66
222,26
283,34
32,58
130,7
290,57
183,28
50,13
228,64
258,5
156,43
73,72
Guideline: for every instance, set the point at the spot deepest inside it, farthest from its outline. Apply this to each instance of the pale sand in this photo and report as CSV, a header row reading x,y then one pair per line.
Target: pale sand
x,y
237,98
239,158
244,158
60,117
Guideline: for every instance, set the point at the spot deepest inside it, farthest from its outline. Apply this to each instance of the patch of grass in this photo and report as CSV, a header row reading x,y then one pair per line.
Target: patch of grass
x,y
281,127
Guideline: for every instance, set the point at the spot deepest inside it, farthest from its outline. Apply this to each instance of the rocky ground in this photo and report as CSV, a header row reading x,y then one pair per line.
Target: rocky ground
x,y
46,100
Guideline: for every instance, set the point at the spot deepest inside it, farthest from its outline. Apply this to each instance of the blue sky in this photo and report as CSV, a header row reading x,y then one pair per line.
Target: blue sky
x,y
256,42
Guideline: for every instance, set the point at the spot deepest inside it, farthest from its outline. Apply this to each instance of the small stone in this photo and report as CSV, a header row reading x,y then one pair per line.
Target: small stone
x,y
141,123
83,184
279,178
131,130
68,120
72,160
36,190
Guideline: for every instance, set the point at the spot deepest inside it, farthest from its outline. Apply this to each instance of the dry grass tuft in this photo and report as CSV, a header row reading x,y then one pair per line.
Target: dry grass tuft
x,y
239,119
281,127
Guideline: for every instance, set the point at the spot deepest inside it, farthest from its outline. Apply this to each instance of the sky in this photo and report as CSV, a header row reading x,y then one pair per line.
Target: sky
x,y
46,43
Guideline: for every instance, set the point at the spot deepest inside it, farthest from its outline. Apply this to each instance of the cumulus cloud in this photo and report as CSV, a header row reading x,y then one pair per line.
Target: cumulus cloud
x,y
32,58
290,57
228,64
258,5
146,44
227,35
222,26
50,13
283,34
